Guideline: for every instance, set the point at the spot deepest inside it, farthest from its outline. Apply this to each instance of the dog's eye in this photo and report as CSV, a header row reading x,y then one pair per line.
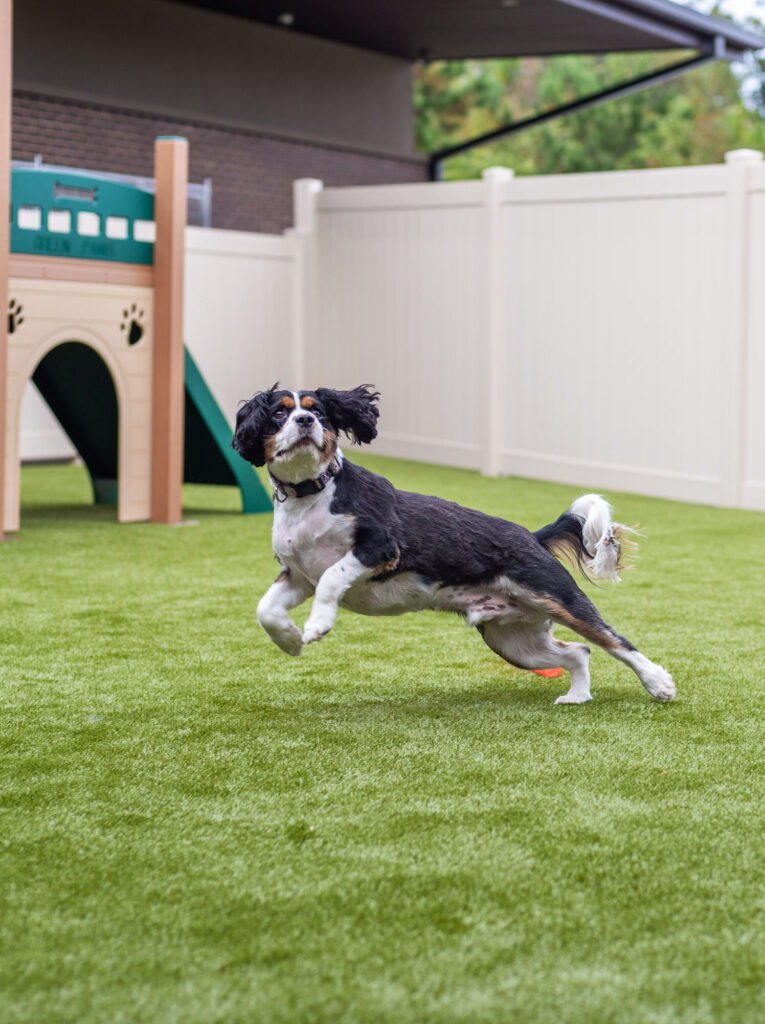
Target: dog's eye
x,y
280,414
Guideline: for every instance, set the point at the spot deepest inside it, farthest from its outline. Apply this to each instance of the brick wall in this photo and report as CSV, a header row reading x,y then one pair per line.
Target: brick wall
x,y
252,174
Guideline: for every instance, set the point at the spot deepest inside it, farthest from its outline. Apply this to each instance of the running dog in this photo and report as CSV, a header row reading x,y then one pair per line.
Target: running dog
x,y
348,538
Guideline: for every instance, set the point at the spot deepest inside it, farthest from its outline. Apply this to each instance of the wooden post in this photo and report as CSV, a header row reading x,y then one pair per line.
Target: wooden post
x,y
6,94
171,174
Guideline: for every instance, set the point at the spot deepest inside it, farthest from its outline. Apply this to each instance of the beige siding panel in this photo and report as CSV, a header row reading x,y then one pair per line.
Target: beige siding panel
x,y
205,66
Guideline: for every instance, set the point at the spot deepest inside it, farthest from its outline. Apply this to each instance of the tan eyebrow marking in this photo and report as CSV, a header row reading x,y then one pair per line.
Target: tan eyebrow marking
x,y
288,403
307,402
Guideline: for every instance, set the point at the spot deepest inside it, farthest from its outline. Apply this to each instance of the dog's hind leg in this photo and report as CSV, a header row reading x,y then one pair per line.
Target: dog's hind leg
x,y
657,681
531,645
571,607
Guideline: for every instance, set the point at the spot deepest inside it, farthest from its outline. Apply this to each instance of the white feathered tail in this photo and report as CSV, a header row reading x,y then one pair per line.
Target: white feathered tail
x,y
587,534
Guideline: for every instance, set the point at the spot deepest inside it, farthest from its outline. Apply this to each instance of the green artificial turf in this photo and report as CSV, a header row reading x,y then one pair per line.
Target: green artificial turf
x,y
395,827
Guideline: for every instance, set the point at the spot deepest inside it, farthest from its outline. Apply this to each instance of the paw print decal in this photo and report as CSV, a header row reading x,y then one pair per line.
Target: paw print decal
x,y
15,319
132,322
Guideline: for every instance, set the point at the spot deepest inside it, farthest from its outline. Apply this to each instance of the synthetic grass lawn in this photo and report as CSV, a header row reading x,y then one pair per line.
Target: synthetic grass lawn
x,y
396,826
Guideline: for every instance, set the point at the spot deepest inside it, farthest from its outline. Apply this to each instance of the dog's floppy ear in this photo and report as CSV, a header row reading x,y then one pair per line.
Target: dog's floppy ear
x,y
251,421
353,412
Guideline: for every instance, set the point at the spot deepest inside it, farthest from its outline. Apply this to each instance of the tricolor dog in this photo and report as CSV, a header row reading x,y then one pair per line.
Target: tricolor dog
x,y
349,539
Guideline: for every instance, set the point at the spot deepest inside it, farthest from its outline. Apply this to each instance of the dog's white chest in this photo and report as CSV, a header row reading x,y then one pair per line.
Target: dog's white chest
x,y
308,537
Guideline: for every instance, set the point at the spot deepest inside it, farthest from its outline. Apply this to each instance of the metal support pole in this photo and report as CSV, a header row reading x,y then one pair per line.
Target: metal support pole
x,y
614,92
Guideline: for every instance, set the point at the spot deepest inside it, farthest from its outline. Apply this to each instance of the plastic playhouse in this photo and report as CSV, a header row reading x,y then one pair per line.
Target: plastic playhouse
x,y
95,319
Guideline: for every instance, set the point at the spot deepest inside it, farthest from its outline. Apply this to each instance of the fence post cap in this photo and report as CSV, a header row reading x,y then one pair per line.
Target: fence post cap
x,y
497,174
743,156
308,184
304,192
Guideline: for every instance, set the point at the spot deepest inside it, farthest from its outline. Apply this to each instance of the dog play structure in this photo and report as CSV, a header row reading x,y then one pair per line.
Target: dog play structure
x,y
95,319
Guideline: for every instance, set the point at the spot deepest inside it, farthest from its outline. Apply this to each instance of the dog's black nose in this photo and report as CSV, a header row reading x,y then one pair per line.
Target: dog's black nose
x,y
304,420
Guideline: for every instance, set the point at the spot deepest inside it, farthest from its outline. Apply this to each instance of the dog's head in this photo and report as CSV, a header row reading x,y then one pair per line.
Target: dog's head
x,y
295,432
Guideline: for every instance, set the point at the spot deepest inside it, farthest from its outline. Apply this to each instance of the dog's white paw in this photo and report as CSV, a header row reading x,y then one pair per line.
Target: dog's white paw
x,y
659,683
288,639
573,698
319,622
313,633
291,643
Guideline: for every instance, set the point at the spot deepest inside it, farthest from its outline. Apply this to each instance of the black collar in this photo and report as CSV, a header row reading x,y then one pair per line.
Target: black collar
x,y
283,490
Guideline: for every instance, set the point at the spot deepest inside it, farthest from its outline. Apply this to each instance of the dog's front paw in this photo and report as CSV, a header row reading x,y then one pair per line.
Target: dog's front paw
x,y
290,642
315,632
319,622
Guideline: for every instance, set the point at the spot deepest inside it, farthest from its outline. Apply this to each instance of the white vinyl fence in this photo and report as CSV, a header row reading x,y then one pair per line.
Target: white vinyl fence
x,y
240,312
604,330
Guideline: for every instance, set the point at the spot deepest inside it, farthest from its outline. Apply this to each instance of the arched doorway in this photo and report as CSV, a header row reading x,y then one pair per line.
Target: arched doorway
x,y
74,343
77,385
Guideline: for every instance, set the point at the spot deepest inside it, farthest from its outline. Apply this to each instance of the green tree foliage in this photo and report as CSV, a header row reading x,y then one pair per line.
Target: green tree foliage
x,y
692,119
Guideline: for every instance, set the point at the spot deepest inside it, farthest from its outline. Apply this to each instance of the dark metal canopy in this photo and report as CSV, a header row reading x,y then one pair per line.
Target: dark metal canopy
x,y
440,29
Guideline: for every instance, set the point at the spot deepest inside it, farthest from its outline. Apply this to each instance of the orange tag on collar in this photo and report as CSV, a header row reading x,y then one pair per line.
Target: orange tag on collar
x,y
548,673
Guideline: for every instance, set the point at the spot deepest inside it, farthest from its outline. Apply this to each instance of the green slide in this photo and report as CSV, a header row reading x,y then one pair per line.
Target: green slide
x,y
76,384
208,455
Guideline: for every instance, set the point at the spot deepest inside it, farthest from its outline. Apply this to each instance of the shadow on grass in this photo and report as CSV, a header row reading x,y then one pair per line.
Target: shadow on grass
x,y
438,703
92,514
71,513
65,493
194,512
